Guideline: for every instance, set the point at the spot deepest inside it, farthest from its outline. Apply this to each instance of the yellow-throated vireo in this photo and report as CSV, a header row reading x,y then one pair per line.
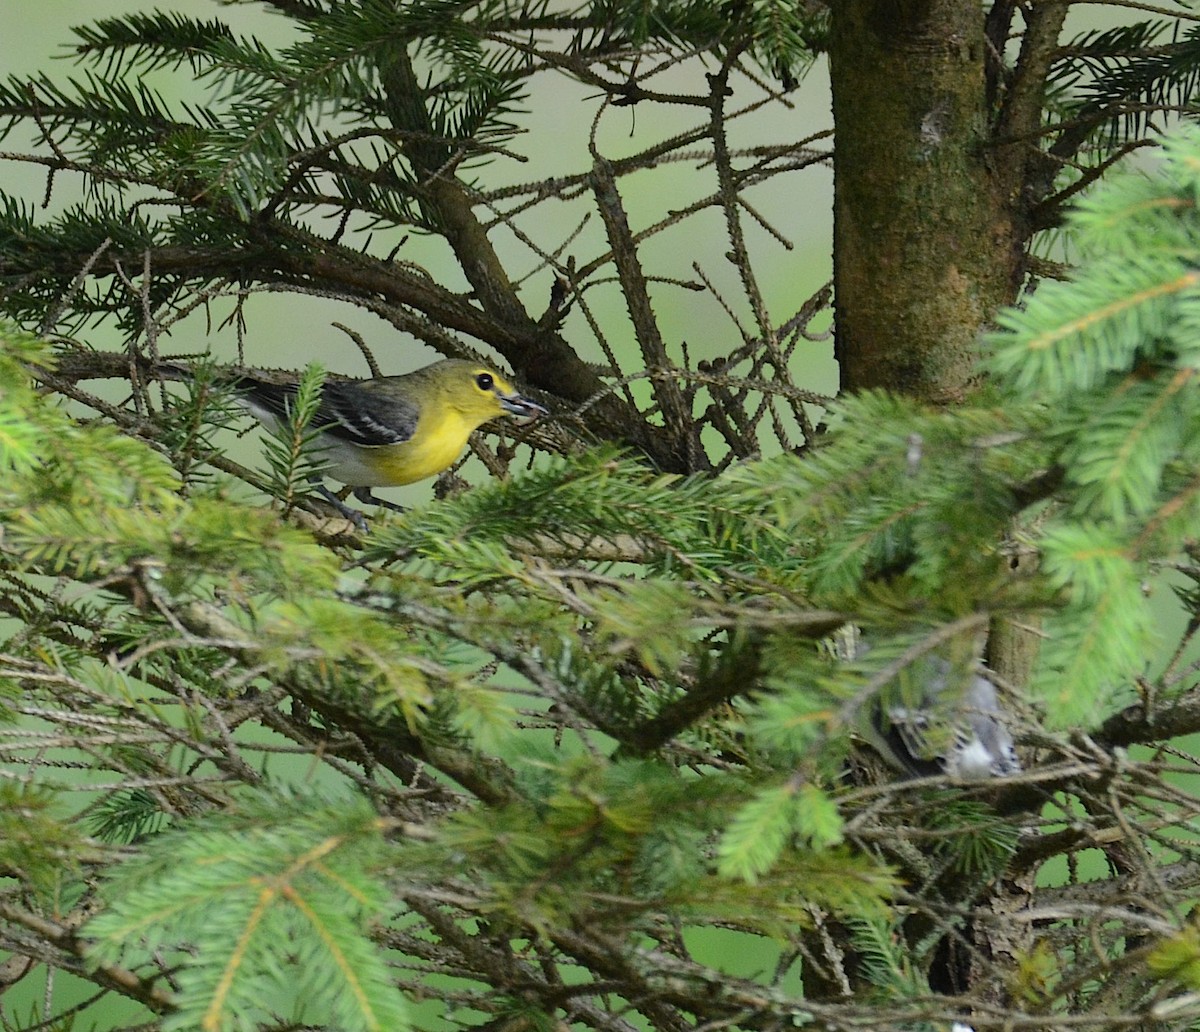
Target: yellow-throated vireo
x,y
390,430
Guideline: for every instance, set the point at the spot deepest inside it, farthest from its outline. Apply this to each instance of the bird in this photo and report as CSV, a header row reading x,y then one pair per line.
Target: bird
x,y
971,742
964,734
386,431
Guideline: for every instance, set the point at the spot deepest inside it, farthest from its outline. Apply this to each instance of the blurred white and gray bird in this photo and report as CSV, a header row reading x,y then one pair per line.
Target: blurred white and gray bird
x,y
952,724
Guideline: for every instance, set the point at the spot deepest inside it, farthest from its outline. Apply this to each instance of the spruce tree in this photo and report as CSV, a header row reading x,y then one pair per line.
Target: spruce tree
x,y
585,742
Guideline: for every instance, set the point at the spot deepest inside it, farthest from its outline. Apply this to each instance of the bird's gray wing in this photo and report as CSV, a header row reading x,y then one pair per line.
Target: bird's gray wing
x,y
356,411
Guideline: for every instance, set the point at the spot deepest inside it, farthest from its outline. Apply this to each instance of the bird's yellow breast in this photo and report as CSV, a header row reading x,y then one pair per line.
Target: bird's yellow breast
x,y
436,444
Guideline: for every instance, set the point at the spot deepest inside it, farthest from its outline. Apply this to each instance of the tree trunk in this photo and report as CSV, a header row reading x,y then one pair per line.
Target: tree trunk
x,y
934,177
925,246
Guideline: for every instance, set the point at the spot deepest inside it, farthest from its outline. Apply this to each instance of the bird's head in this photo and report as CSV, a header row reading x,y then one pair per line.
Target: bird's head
x,y
480,393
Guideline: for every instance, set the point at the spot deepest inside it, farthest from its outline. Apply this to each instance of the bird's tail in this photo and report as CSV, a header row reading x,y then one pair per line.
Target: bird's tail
x,y
223,375
180,372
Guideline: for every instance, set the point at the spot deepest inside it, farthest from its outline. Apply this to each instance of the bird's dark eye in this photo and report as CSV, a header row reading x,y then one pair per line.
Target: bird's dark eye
x,y
484,381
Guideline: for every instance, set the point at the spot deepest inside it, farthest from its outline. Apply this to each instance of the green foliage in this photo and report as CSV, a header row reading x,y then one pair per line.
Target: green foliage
x,y
598,600
763,827
147,41
782,33
298,870
1178,958
127,817
583,506
366,104
404,649
38,848
638,831
886,962
1113,356
292,457
901,487
240,145
1106,628
359,653
976,844
19,437
1113,77
191,421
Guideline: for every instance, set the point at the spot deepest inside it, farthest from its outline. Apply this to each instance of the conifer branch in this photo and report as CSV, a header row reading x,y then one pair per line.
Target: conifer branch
x,y
72,955
396,746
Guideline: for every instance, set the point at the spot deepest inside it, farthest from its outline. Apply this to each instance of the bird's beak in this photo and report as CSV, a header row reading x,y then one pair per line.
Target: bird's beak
x,y
516,405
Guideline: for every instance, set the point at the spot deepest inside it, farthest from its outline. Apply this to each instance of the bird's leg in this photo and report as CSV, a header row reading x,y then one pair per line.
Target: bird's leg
x,y
363,494
353,515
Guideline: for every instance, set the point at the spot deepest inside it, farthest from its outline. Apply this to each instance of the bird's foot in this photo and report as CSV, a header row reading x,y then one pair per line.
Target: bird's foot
x,y
353,515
